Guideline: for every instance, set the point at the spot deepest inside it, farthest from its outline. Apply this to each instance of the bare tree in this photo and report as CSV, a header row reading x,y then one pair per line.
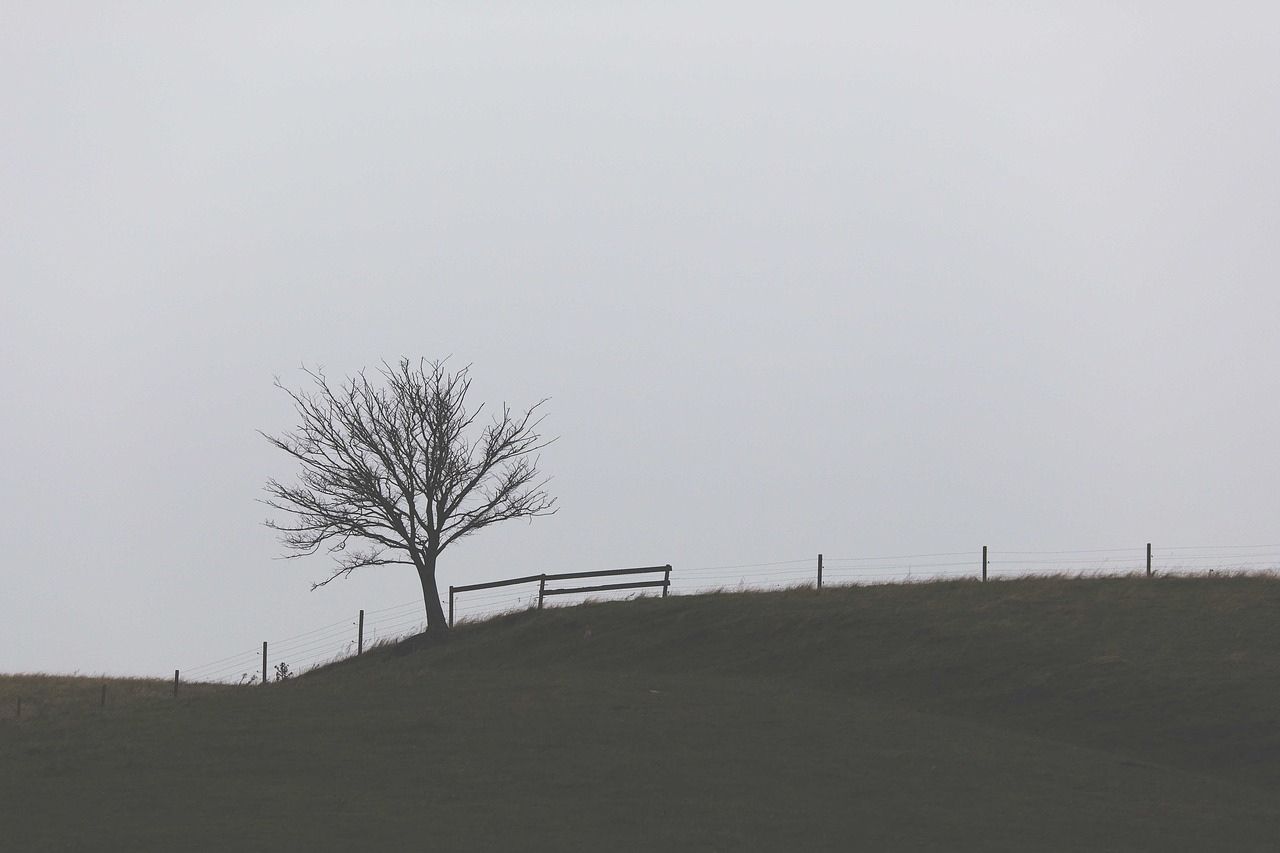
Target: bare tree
x,y
391,474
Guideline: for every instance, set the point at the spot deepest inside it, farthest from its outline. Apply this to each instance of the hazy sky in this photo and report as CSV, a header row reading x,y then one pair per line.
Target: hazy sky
x,y
854,278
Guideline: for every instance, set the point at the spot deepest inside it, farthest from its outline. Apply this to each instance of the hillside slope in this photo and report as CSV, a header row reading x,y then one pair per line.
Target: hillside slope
x,y
1182,671
1119,714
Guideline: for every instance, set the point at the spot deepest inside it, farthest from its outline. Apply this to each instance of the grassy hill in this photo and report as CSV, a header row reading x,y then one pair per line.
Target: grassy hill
x,y
1036,714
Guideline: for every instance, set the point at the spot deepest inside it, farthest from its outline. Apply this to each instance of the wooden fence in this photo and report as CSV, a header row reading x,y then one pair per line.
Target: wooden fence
x,y
544,590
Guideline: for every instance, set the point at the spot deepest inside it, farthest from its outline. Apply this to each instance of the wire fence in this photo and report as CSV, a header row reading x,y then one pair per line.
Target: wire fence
x,y
342,639
330,643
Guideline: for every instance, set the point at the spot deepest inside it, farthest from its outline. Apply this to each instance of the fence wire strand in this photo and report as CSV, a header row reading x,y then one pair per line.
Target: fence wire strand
x,y
339,639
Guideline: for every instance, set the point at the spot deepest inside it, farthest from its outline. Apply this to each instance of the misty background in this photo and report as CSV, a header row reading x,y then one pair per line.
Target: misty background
x,y
856,279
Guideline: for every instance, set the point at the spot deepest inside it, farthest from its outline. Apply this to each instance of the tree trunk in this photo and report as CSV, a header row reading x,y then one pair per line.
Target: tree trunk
x,y
437,625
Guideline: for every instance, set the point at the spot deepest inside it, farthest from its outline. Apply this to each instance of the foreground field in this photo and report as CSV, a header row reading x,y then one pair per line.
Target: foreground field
x,y
1106,714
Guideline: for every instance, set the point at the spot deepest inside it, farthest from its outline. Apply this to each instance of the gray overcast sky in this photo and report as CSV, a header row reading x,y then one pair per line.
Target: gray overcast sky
x,y
798,277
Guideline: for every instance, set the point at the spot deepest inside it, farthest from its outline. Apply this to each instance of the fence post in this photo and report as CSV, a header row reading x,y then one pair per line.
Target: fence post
x,y
264,662
984,563
542,589
819,573
451,605
175,684
666,580
360,636
1148,559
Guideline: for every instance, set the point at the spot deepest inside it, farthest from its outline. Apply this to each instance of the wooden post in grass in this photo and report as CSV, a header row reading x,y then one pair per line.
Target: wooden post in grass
x,y
666,580
542,589
175,684
450,605
819,573
984,563
360,636
1148,559
264,661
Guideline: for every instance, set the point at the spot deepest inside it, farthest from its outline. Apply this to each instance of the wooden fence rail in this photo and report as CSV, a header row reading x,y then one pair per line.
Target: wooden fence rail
x,y
544,590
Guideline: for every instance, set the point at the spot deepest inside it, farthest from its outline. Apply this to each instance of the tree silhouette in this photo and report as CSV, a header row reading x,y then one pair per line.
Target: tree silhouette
x,y
391,472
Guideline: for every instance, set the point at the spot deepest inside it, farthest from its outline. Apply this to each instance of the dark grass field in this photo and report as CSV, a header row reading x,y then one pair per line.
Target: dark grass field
x,y
1045,714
